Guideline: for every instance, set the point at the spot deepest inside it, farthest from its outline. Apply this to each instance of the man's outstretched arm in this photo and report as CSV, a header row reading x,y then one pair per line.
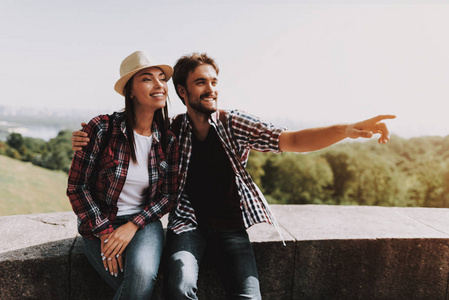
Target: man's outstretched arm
x,y
318,138
304,140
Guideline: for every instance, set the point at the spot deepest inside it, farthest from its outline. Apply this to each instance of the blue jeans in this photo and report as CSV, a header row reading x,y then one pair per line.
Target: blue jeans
x,y
141,261
231,251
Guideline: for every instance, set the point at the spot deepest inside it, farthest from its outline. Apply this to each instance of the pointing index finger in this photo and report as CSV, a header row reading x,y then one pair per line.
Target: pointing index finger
x,y
383,117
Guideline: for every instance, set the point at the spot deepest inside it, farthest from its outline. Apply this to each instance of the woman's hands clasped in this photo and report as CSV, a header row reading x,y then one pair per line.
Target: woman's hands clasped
x,y
114,244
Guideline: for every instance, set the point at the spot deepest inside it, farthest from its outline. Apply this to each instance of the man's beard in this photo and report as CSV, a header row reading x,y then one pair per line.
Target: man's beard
x,y
200,108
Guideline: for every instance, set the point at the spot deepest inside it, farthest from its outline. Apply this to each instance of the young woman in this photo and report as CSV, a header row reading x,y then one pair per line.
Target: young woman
x,y
125,180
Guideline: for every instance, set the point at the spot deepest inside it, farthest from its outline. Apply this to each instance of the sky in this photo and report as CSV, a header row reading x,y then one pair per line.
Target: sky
x,y
300,63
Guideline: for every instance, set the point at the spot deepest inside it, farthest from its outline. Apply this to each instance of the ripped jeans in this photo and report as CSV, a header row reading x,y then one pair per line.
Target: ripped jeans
x,y
230,249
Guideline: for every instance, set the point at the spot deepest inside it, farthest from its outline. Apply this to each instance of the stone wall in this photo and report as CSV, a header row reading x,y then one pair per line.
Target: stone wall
x,y
331,252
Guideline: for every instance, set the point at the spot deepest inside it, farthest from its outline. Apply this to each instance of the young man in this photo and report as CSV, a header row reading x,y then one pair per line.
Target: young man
x,y
217,198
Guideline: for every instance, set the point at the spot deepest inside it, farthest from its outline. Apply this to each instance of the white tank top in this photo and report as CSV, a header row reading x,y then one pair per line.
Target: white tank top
x,y
137,180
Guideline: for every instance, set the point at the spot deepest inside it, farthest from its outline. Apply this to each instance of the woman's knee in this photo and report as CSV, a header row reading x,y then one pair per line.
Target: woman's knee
x,y
144,272
142,266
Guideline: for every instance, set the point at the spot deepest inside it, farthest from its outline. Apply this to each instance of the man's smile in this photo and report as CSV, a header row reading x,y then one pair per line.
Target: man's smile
x,y
208,98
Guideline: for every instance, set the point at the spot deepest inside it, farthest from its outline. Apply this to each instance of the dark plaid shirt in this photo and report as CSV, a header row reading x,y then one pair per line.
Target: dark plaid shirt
x,y
240,133
96,212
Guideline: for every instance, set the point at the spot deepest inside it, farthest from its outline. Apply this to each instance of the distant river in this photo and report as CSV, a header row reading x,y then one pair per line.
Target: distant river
x,y
42,132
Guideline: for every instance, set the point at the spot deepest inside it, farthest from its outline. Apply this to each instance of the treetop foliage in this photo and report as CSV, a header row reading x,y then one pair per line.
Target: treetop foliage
x,y
55,154
404,172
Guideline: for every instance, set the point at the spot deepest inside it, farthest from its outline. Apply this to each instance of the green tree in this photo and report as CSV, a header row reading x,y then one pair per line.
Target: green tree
x,y
428,190
59,152
343,173
376,180
255,165
445,192
15,141
297,178
13,153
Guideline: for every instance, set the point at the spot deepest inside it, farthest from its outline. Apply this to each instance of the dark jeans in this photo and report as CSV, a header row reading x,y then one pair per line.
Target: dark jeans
x,y
142,257
230,249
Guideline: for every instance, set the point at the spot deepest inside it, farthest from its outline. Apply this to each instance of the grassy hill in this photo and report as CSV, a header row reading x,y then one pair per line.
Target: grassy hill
x,y
27,189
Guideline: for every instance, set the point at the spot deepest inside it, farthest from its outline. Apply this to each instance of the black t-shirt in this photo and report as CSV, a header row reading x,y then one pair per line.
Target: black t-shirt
x,y
211,185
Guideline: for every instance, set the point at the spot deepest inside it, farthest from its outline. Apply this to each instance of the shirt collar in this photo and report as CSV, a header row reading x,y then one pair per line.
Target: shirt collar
x,y
156,133
213,118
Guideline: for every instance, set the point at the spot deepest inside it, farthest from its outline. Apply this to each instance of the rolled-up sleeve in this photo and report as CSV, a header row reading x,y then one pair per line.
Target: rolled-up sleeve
x,y
254,133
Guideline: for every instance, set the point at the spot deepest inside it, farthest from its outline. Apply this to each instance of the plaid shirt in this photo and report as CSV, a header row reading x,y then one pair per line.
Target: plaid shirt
x,y
240,133
95,214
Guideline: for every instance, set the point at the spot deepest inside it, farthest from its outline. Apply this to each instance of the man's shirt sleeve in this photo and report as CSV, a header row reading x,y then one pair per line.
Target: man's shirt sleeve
x,y
251,132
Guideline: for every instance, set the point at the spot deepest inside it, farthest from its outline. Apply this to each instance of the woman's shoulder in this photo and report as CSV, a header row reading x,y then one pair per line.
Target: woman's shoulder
x,y
101,122
116,116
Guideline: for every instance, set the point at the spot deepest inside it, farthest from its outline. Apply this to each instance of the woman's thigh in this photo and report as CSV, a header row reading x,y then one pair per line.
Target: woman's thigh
x,y
143,253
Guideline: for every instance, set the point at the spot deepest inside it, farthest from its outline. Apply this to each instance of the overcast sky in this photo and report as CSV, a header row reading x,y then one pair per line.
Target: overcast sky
x,y
311,62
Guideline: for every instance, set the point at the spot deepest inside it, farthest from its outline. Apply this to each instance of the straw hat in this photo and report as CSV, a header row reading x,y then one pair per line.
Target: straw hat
x,y
134,63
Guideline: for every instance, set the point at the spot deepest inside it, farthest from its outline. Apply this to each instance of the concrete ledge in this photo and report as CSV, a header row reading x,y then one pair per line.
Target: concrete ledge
x,y
332,252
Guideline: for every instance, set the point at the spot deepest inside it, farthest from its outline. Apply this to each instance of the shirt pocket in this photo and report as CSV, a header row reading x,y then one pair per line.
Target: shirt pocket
x,y
108,169
162,169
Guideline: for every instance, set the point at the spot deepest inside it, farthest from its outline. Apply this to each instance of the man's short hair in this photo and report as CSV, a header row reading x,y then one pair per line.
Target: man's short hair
x,y
186,65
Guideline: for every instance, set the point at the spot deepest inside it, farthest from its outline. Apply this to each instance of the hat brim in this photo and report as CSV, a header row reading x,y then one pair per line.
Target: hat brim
x,y
120,84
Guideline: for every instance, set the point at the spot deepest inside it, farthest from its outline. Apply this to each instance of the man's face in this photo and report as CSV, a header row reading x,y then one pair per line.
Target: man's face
x,y
201,90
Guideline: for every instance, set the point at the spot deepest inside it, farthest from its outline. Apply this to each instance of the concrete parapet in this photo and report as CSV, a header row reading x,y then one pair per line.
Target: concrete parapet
x,y
331,252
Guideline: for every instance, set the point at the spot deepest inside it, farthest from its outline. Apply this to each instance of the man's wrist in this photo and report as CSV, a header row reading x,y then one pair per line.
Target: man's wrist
x,y
342,130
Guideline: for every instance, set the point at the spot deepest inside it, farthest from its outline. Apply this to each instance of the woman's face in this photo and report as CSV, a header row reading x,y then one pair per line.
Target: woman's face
x,y
149,88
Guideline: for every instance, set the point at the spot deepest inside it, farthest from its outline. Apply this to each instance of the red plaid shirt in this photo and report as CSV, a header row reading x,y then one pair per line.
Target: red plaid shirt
x,y
241,133
96,214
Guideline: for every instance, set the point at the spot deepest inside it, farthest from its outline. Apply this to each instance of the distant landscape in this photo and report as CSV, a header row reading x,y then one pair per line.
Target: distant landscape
x,y
404,172
43,123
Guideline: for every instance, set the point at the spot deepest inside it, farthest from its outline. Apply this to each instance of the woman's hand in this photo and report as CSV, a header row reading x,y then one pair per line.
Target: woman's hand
x,y
113,245
110,264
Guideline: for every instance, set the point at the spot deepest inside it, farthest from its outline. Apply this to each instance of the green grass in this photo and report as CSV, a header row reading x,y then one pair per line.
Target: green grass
x,y
28,189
